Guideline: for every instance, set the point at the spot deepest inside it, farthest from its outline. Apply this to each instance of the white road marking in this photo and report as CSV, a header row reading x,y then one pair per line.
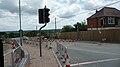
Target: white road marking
x,y
98,61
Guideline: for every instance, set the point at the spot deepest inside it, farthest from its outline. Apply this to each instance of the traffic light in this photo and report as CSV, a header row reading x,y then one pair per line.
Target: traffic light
x,y
44,15
40,11
47,19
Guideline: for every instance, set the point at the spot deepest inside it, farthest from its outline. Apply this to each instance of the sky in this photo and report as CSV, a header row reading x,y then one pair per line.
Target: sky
x,y
66,12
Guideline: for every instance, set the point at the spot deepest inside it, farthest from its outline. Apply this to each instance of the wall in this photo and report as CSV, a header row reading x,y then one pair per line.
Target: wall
x,y
93,22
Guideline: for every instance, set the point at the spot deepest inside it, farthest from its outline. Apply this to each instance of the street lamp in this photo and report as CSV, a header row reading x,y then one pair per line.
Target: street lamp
x,y
20,23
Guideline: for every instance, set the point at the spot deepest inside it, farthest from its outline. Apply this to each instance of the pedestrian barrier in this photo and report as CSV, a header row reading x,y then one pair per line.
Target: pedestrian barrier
x,y
62,52
17,57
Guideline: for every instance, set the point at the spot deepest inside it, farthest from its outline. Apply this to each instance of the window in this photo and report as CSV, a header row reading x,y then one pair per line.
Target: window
x,y
111,20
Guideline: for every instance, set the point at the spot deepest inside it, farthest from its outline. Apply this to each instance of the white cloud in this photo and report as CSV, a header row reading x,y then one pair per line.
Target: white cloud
x,y
70,2
66,11
10,5
69,11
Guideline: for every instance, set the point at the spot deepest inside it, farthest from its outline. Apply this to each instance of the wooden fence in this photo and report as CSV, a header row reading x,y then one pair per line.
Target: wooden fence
x,y
95,35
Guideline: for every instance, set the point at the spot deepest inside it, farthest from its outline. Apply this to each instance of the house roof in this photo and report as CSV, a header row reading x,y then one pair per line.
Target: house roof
x,y
106,11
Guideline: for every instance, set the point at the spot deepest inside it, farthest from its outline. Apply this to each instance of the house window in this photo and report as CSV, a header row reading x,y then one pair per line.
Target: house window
x,y
111,20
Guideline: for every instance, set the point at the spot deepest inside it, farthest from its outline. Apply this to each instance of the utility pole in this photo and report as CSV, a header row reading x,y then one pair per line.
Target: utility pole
x,y
1,54
20,23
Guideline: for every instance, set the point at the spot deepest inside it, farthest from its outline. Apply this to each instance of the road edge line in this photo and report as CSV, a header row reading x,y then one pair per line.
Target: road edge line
x,y
98,61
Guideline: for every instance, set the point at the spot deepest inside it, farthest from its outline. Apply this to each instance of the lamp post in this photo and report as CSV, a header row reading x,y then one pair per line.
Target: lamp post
x,y
20,23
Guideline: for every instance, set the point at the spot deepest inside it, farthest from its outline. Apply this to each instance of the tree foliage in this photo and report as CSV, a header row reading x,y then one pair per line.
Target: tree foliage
x,y
80,26
67,28
31,34
3,35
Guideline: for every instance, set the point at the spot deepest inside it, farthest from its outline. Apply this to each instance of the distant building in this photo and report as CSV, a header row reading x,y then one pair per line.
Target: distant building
x,y
107,17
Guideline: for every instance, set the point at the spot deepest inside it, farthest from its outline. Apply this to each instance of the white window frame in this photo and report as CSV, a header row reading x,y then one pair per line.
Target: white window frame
x,y
111,20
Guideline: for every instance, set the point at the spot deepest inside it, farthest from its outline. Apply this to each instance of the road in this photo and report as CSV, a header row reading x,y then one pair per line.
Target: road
x,y
89,54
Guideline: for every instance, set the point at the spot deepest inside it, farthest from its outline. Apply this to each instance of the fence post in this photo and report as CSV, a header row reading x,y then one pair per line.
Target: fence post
x,y
1,54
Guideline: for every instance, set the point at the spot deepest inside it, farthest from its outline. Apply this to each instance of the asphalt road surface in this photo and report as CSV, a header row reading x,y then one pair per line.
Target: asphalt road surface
x,y
89,54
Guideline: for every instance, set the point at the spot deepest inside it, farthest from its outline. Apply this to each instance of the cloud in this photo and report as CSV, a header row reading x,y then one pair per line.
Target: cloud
x,y
31,7
95,4
27,6
66,11
9,23
29,10
5,14
89,5
9,5
69,11
70,2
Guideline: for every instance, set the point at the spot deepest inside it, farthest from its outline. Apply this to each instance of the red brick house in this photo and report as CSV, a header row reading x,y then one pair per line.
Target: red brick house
x,y
107,17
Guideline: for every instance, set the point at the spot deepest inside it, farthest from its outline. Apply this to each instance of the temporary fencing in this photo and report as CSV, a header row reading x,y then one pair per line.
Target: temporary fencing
x,y
62,51
17,57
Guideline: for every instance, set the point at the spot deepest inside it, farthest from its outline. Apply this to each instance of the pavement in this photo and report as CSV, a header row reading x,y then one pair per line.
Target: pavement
x,y
47,60
7,54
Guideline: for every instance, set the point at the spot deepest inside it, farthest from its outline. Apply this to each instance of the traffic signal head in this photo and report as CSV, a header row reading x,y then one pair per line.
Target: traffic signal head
x,y
47,19
40,17
44,15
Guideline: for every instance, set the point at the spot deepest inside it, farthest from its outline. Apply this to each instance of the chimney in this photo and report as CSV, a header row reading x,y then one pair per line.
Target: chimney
x,y
96,11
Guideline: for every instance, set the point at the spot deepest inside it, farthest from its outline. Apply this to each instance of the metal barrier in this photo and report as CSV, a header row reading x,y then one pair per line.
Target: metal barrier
x,y
62,51
17,57
25,61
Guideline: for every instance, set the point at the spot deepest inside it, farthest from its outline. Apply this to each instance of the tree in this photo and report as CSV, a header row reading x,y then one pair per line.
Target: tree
x,y
32,34
11,35
3,35
67,28
80,26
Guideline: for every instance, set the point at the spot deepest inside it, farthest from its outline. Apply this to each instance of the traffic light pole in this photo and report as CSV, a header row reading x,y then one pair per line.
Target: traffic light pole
x,y
40,32
40,39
